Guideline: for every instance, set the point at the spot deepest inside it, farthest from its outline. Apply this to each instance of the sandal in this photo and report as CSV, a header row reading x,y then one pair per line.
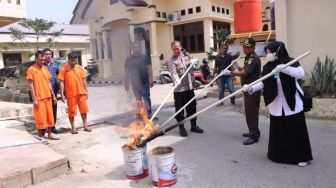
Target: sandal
x,y
74,132
53,138
87,130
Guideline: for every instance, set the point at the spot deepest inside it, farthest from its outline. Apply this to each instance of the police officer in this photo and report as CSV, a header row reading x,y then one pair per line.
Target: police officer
x,y
184,92
249,73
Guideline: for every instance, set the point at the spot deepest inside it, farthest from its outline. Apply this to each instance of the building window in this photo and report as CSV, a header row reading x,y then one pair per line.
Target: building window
x,y
227,11
191,36
218,9
190,10
198,9
217,26
183,12
164,15
223,10
213,9
113,1
9,1
158,14
62,53
18,2
12,59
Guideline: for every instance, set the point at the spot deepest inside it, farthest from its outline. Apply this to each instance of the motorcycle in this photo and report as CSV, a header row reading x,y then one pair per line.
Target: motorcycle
x,y
202,75
165,76
199,79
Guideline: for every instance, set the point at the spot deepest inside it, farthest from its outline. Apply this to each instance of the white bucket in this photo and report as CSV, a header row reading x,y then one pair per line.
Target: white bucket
x,y
162,166
136,161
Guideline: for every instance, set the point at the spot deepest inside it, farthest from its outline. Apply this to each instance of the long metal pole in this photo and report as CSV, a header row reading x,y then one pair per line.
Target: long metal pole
x,y
242,89
171,91
195,97
269,36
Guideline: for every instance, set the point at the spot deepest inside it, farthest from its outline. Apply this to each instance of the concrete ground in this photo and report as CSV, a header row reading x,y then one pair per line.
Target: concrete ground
x,y
106,101
216,158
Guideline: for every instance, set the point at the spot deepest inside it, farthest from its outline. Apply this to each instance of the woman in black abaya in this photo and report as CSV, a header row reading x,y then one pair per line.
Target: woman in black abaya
x,y
288,139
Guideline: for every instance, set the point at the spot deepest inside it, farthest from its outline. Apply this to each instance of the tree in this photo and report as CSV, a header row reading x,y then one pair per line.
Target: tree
x,y
41,29
222,38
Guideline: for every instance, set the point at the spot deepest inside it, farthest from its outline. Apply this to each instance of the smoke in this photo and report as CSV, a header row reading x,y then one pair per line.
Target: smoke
x,y
126,101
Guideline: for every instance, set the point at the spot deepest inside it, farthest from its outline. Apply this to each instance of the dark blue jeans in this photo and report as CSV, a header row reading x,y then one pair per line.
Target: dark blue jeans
x,y
222,81
147,100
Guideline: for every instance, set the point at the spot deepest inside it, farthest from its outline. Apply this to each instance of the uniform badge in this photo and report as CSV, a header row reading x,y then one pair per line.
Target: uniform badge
x,y
249,61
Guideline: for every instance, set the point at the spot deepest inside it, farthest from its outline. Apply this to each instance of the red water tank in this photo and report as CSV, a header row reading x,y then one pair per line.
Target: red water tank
x,y
247,16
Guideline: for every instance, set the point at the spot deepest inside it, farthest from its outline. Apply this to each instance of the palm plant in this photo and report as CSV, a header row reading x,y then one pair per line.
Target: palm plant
x,y
322,77
222,38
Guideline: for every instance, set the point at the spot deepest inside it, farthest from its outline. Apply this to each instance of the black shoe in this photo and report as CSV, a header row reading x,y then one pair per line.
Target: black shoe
x,y
246,134
55,131
196,129
155,119
250,141
220,104
183,131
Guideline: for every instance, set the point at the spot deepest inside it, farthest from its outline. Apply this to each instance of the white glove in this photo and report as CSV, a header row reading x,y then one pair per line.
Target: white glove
x,y
193,62
279,68
248,88
177,82
226,72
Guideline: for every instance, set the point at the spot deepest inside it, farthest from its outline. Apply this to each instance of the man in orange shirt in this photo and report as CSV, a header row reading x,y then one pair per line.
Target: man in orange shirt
x,y
42,94
74,90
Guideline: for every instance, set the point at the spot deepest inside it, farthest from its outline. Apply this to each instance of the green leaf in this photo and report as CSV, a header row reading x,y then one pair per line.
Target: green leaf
x,y
322,76
41,29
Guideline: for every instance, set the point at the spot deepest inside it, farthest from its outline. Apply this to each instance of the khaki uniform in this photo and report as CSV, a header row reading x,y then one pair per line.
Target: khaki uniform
x,y
252,67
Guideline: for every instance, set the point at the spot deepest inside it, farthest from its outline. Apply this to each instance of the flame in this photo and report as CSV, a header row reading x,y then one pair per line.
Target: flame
x,y
142,127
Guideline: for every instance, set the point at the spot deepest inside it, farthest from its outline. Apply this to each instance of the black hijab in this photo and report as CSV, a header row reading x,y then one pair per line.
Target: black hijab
x,y
288,83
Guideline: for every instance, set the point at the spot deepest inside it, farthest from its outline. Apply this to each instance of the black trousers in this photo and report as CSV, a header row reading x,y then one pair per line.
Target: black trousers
x,y
55,88
181,99
54,107
252,104
55,112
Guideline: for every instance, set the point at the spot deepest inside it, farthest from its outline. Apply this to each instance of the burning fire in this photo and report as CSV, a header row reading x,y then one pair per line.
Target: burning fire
x,y
142,127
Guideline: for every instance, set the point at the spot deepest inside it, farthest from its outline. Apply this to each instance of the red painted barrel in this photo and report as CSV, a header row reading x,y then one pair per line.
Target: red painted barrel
x,y
247,16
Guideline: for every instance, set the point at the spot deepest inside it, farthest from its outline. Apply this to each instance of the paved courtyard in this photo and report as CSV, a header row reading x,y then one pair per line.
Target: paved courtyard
x,y
216,158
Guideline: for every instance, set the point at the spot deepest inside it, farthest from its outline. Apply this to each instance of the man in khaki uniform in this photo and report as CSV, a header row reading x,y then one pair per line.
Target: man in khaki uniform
x,y
249,73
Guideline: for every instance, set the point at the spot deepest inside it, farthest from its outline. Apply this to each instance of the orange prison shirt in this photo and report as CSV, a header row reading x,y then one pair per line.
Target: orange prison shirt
x,y
43,114
73,80
40,77
74,88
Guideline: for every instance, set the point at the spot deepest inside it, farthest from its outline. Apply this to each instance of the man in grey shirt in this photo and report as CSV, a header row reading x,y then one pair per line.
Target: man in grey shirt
x,y
184,92
138,68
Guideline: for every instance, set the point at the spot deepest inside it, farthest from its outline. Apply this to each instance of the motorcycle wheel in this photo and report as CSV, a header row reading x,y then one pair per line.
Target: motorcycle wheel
x,y
163,80
197,84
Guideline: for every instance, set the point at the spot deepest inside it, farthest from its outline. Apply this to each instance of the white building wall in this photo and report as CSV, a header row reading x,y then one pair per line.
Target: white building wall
x,y
13,9
306,25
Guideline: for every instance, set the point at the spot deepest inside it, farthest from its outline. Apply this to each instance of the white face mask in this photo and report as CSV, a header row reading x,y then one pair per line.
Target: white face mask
x,y
271,57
